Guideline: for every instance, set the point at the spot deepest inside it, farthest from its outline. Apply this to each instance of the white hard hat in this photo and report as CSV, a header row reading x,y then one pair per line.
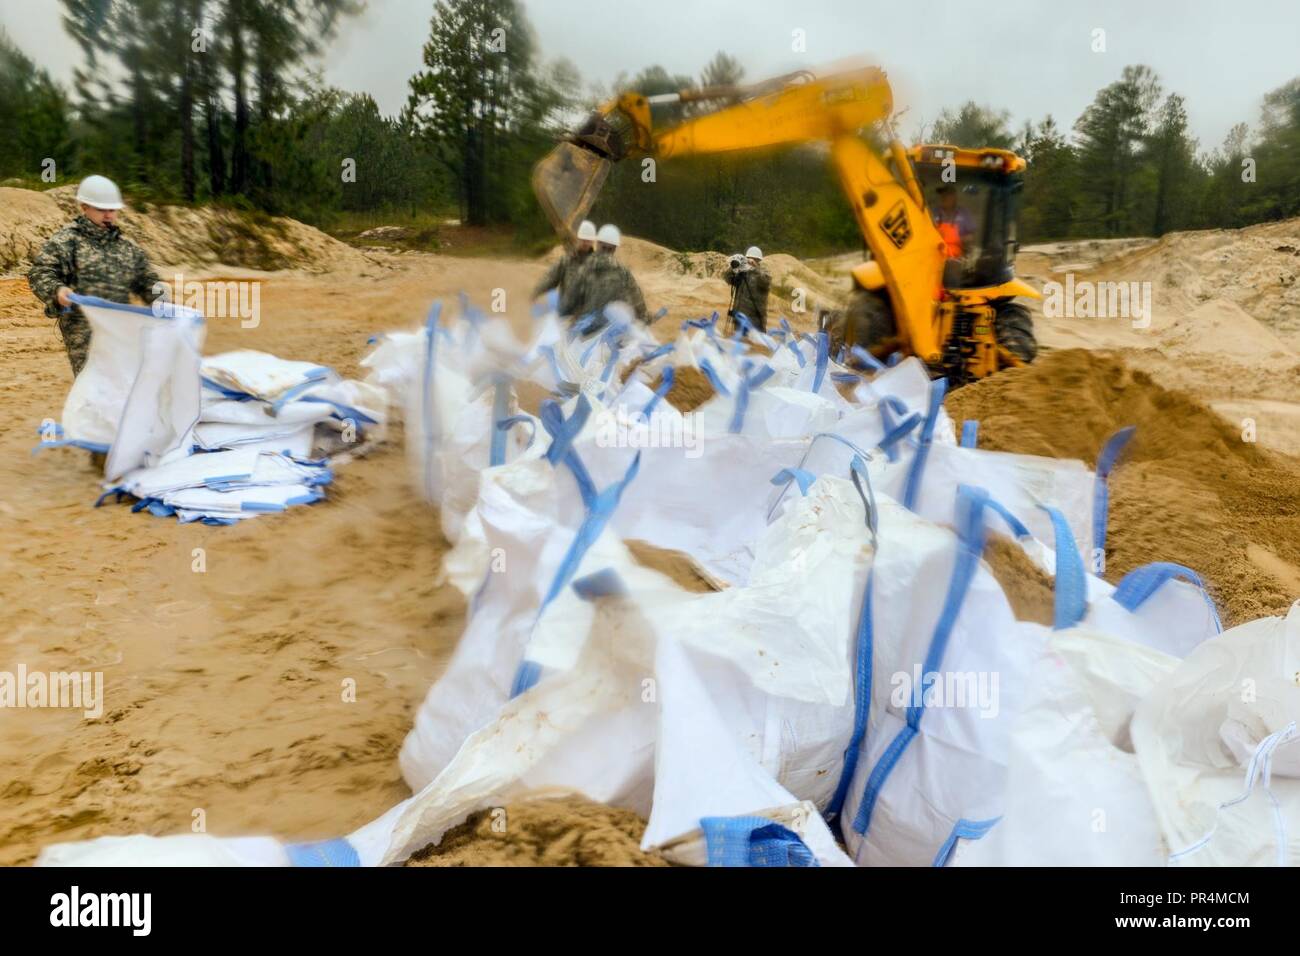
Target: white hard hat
x,y
609,235
587,230
753,252
100,192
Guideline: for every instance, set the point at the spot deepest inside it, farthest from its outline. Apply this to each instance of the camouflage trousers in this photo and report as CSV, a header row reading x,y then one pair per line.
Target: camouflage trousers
x,y
76,340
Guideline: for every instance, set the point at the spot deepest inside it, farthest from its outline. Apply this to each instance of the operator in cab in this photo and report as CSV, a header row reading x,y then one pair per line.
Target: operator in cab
x,y
954,223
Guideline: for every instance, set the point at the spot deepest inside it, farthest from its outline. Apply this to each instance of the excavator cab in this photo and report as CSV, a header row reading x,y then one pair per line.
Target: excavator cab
x,y
975,328
981,190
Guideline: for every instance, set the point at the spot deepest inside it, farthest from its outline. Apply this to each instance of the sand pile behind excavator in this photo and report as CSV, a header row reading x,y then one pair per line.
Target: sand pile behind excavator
x,y
1188,489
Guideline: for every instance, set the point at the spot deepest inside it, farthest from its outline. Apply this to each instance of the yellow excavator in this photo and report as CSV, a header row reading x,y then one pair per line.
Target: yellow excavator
x,y
939,286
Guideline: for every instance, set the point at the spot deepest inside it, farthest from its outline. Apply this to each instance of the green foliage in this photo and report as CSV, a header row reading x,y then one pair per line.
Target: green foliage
x,y
242,123
1133,168
973,126
722,70
1171,155
482,104
326,135
1110,135
785,200
34,115
1278,155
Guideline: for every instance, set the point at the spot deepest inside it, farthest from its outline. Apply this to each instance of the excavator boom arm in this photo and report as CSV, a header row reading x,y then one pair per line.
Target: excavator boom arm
x,y
569,179
820,109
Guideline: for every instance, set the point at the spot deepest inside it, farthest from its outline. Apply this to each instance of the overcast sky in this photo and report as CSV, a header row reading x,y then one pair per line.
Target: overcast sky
x,y
1031,57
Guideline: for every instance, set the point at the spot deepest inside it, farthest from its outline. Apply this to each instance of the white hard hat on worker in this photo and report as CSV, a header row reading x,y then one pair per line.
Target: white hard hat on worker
x,y
587,231
609,236
100,192
753,252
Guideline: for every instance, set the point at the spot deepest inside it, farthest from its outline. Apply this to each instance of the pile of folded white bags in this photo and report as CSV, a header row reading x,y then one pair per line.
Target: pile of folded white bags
x,y
217,439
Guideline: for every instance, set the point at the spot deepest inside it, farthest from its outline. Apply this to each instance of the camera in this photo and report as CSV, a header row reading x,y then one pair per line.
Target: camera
x,y
738,263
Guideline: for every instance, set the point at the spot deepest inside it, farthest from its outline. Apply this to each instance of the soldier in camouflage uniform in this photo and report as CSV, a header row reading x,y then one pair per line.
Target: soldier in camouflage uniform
x,y
752,283
560,275
600,280
90,256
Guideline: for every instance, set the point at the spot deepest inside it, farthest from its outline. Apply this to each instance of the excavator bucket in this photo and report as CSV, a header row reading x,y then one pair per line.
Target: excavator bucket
x,y
567,181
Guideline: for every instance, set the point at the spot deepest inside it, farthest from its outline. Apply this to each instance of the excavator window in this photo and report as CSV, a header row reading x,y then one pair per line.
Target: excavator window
x,y
977,215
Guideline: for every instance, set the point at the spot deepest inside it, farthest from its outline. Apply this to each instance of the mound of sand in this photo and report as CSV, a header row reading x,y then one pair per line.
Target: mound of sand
x,y
691,388
1256,267
1224,330
179,236
1188,489
1074,254
569,831
27,219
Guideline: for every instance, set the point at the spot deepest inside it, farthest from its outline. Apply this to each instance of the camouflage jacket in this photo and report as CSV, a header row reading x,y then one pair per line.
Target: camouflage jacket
x,y
752,288
91,260
561,274
598,281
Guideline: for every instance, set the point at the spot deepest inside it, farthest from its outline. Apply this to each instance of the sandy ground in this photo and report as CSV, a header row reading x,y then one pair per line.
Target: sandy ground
x,y
223,689
224,686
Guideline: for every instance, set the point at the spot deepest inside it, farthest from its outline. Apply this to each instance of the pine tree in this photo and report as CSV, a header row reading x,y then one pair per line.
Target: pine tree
x,y
973,126
1172,153
475,96
1111,133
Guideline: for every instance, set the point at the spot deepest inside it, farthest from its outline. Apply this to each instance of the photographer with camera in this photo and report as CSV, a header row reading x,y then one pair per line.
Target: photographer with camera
x,y
750,284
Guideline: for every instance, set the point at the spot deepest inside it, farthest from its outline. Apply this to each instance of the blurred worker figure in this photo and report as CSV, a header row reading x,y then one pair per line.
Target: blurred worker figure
x,y
90,256
566,267
600,280
750,284
955,224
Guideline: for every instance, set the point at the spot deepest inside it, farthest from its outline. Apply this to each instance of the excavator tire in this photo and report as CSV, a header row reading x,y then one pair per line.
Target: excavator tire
x,y
868,321
1014,329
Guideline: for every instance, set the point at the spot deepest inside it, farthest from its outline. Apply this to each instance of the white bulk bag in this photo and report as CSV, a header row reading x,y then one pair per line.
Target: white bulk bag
x,y
242,467
702,769
126,342
364,404
585,730
908,381
395,360
188,849
261,375
776,652
1215,740
1161,605
530,512
292,440
1075,793
931,766
228,411
451,427
768,412
716,487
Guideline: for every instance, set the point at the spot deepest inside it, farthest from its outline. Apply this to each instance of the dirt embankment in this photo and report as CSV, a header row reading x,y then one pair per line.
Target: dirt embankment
x,y
180,236
1256,268
1188,489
